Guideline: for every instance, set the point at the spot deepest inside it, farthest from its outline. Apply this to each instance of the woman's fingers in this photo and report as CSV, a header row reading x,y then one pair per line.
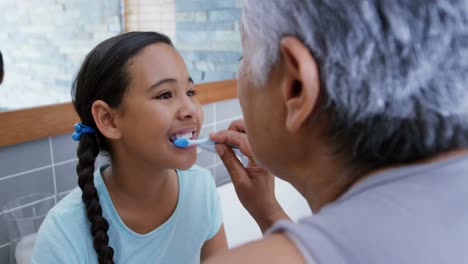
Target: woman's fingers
x,y
237,125
233,165
233,139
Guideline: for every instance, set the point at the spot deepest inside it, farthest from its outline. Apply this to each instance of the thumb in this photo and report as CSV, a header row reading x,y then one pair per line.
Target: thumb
x,y
233,165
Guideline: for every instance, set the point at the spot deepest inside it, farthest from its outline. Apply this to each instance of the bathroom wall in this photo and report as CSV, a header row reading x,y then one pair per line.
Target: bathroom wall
x,y
151,15
208,38
48,165
44,42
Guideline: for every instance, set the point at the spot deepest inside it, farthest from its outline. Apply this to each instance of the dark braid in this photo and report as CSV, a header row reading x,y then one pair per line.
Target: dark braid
x,y
87,152
103,76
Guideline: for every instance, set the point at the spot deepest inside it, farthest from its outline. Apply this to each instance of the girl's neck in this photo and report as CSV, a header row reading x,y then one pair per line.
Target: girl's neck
x,y
144,196
138,182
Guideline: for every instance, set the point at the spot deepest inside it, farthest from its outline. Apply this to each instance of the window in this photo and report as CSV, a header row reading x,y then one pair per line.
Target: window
x,y
150,15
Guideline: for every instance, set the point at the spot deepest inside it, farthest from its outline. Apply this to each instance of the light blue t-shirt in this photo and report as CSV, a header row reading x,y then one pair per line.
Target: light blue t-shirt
x,y
64,236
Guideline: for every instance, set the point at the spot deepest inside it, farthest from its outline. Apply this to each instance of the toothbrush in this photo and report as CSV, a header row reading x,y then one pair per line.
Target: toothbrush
x,y
185,142
204,143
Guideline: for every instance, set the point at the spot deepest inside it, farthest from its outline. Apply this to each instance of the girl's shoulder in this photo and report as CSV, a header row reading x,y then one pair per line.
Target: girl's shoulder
x,y
197,184
70,204
199,200
197,175
70,209
63,232
195,169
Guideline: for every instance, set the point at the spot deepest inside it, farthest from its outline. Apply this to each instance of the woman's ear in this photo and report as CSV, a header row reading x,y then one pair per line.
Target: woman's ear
x,y
301,82
105,119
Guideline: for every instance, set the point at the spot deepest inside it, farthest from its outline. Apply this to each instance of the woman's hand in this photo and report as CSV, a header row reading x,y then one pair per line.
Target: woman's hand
x,y
254,185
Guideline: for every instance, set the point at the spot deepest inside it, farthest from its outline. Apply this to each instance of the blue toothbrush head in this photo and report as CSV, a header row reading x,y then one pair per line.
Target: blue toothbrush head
x,y
182,142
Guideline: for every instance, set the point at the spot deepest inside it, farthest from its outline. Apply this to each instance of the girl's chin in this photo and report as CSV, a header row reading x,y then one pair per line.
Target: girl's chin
x,y
187,163
186,166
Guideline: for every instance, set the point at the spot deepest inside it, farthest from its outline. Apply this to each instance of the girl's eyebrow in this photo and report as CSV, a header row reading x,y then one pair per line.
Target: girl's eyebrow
x,y
168,80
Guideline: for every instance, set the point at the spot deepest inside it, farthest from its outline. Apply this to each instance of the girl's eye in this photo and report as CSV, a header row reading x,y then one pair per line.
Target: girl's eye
x,y
191,93
241,58
165,95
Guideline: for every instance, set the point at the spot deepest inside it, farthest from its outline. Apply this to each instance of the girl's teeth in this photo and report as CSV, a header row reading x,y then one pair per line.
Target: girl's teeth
x,y
186,135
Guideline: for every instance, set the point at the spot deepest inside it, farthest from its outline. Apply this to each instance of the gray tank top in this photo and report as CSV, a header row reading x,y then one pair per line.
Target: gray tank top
x,y
409,215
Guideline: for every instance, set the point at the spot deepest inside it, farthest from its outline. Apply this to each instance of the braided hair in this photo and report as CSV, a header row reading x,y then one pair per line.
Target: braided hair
x,y
103,76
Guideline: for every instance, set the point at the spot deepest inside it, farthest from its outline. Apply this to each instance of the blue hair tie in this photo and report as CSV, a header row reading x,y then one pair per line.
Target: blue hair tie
x,y
80,129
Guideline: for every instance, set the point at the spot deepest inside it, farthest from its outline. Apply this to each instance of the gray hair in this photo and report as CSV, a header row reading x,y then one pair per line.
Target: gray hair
x,y
394,73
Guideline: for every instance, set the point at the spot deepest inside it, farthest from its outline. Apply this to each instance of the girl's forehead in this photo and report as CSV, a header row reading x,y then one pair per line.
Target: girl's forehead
x,y
158,55
157,61
154,64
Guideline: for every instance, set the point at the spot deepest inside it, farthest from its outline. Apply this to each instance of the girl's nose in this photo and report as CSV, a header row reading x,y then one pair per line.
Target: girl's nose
x,y
187,109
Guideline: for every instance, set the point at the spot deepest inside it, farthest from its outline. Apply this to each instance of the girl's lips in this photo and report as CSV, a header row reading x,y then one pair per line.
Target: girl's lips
x,y
187,148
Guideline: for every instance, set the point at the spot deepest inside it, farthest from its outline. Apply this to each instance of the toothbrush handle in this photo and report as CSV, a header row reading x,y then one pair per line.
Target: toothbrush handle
x,y
208,144
210,148
207,141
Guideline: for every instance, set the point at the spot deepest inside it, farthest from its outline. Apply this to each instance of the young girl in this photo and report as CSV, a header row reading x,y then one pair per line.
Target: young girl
x,y
134,96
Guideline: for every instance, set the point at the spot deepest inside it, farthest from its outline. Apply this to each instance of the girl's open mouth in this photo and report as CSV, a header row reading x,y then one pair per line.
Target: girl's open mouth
x,y
187,135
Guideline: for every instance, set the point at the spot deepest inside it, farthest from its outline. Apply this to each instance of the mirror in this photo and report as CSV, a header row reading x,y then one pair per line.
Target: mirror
x,y
44,42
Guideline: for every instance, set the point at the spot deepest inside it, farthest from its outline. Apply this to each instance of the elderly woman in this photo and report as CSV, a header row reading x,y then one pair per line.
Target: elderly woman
x,y
362,105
